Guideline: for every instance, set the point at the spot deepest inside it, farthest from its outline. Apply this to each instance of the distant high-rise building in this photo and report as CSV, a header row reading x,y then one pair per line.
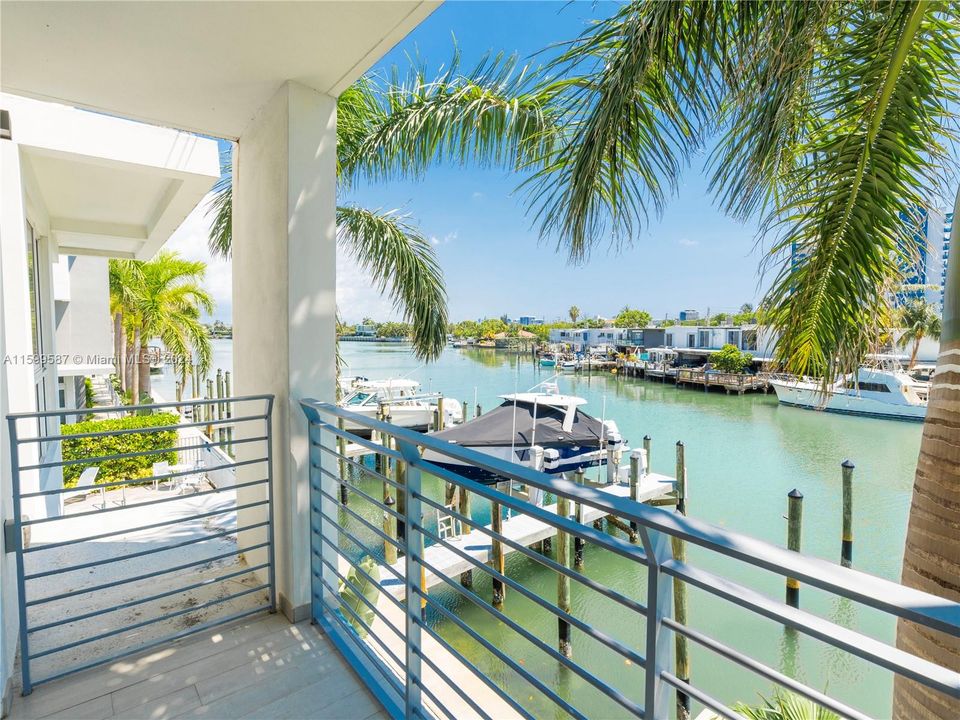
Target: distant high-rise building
x,y
689,315
947,229
527,320
925,274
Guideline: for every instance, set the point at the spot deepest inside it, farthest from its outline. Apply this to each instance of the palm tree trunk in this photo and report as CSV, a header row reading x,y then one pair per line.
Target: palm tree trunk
x,y
135,367
144,367
119,344
913,355
931,558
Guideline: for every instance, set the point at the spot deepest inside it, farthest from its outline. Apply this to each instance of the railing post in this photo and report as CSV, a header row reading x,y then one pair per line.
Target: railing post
x,y
413,574
659,603
21,582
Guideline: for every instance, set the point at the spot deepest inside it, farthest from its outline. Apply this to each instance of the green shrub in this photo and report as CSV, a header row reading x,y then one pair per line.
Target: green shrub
x,y
730,359
88,394
123,468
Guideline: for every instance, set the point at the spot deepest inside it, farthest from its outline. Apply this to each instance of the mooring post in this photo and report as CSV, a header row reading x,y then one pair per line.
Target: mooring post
x,y
401,496
636,460
614,442
548,461
646,446
794,518
846,544
209,417
466,577
496,524
563,580
342,451
220,437
389,519
378,457
227,391
578,541
463,411
440,418
682,660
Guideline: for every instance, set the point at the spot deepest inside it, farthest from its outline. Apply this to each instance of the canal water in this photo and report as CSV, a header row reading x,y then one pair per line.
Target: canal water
x,y
743,454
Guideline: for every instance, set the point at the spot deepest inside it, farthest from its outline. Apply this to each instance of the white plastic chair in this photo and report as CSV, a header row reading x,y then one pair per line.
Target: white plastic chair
x,y
85,483
160,468
447,525
192,481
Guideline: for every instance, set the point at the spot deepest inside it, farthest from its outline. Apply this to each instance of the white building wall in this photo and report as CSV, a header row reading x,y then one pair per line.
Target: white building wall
x,y
84,329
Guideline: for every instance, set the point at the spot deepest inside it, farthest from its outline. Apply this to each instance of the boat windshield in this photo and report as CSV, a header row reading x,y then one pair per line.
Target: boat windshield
x,y
357,398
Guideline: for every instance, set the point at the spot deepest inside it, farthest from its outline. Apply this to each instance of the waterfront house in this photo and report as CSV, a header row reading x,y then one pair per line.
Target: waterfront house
x,y
582,339
163,79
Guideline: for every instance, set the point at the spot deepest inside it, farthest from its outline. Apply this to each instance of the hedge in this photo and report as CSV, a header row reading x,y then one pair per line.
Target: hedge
x,y
123,468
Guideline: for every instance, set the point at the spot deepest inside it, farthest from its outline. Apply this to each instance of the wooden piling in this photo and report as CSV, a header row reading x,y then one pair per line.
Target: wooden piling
x,y
679,547
635,462
220,434
496,524
466,577
794,521
228,393
401,498
579,475
846,541
479,410
646,446
440,418
463,411
209,414
563,581
342,450
389,520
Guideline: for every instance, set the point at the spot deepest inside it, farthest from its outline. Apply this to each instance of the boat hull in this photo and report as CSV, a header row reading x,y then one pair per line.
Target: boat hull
x,y
571,459
808,398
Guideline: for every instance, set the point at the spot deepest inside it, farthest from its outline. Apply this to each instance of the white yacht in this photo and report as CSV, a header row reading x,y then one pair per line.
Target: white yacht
x,y
880,388
403,400
524,420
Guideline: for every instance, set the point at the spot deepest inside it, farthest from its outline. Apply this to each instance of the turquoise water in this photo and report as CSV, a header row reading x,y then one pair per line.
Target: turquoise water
x,y
744,454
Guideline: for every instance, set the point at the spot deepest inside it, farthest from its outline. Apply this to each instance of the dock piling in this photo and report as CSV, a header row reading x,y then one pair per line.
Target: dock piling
x,y
636,464
227,385
496,524
679,547
479,410
463,411
466,577
578,541
846,543
342,450
646,446
794,519
219,404
440,418
563,581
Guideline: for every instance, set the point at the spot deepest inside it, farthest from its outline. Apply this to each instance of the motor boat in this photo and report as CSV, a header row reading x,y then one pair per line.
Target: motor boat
x,y
568,365
545,419
880,388
403,402
548,361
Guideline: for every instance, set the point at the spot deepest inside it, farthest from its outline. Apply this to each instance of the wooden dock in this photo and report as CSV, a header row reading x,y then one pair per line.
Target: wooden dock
x,y
739,383
522,529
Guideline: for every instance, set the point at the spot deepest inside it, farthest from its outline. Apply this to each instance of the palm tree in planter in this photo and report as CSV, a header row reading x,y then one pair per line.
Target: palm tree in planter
x,y
163,298
920,320
829,122
397,128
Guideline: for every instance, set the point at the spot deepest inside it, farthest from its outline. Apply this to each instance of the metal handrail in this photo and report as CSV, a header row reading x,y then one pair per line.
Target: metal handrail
x,y
656,528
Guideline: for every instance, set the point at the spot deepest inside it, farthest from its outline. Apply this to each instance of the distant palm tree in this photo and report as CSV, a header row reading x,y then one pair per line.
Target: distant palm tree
x,y
834,119
920,319
161,298
398,128
574,313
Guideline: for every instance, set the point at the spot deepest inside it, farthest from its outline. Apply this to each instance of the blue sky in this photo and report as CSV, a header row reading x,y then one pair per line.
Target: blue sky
x,y
493,260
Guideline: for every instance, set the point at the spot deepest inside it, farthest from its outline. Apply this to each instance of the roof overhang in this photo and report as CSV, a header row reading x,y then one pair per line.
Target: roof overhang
x,y
205,67
104,185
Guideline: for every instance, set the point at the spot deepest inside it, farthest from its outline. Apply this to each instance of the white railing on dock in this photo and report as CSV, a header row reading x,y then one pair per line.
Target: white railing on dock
x,y
357,564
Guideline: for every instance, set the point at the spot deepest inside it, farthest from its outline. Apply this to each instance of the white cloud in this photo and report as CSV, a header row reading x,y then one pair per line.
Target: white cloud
x,y
478,195
448,238
687,242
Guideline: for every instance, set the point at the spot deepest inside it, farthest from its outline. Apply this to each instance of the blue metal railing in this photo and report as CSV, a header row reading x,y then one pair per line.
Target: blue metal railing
x,y
49,588
417,672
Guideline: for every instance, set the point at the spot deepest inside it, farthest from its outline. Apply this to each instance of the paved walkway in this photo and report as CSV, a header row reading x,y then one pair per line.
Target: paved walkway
x,y
258,668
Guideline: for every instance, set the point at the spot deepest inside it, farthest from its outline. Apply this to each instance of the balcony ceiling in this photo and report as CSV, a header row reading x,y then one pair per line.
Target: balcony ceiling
x,y
200,66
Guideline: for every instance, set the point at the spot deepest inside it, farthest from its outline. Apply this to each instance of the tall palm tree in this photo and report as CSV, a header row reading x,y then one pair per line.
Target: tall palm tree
x,y
163,298
830,120
920,320
574,313
397,127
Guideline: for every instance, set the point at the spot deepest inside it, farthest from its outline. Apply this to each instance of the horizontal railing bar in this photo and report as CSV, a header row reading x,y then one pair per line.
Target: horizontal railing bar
x,y
568,525
118,508
506,659
150,598
145,576
481,676
452,685
363,623
142,480
141,453
372,500
436,701
369,578
542,559
141,528
356,439
148,621
764,671
142,430
546,605
700,696
374,659
156,643
143,553
356,541
134,408
370,526
908,603
863,646
357,464
592,679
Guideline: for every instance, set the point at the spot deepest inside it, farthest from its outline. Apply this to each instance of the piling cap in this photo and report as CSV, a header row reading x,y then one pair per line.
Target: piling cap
x,y
551,459
847,464
795,494
646,437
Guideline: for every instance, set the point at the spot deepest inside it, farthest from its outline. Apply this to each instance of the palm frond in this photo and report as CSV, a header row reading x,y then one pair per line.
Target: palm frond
x,y
494,115
220,207
403,265
877,145
638,92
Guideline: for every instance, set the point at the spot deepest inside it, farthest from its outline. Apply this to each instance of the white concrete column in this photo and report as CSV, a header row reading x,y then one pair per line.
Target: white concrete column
x,y
284,301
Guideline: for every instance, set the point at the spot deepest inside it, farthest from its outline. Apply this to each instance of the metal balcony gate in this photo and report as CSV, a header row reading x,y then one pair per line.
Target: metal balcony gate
x,y
156,538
